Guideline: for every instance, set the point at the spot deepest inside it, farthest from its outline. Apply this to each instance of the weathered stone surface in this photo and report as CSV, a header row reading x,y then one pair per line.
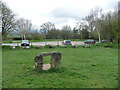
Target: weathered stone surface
x,y
55,60
38,62
46,66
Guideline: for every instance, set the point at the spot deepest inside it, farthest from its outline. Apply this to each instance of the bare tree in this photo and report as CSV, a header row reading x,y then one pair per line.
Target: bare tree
x,y
8,20
94,20
80,26
110,26
66,32
75,33
53,34
97,20
24,27
0,16
0,21
46,27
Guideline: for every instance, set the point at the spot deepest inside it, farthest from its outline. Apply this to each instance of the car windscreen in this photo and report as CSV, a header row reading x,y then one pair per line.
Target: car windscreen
x,y
25,41
67,41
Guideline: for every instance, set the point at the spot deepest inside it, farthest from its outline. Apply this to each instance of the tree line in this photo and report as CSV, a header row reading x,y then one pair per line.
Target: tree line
x,y
96,25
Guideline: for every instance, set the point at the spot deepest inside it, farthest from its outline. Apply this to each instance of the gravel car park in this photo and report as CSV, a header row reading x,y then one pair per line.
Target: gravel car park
x,y
81,43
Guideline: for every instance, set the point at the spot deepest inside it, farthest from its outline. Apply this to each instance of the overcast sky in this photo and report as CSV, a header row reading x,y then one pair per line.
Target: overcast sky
x,y
59,12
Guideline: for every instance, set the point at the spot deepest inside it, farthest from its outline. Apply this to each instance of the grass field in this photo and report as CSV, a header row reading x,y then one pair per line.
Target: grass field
x,y
81,68
0,67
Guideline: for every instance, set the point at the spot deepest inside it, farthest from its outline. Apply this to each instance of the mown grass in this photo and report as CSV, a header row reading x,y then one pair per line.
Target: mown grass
x,y
81,68
0,67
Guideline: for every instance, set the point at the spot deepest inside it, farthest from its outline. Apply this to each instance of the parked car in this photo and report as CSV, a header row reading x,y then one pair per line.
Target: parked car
x,y
89,41
25,43
66,42
104,41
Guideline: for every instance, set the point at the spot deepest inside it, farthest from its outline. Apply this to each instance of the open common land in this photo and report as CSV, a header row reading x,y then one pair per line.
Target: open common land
x,y
81,68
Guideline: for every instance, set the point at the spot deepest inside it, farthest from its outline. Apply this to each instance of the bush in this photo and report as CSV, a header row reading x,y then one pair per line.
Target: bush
x,y
38,47
10,41
4,46
17,47
49,46
10,47
17,38
111,45
36,36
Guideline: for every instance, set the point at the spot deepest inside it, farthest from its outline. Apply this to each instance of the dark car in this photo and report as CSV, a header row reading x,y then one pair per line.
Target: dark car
x,y
89,42
66,42
25,43
104,41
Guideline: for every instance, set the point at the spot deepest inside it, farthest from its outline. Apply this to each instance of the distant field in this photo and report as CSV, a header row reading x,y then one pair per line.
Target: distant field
x,y
81,68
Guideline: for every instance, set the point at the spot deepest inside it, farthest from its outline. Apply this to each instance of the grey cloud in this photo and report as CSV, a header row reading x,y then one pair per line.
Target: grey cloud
x,y
78,13
67,13
64,15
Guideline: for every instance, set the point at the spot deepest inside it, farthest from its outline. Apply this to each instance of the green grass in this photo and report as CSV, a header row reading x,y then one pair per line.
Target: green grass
x,y
81,68
0,67
12,41
112,45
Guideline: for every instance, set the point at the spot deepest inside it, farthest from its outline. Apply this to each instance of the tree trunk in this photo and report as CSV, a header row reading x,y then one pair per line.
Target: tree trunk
x,y
24,37
111,40
99,38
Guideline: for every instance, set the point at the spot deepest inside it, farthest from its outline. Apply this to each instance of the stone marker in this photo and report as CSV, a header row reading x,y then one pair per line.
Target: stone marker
x,y
55,60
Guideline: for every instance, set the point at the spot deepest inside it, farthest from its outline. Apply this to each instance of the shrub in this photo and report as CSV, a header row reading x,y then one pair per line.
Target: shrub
x,y
49,46
74,46
36,36
111,45
4,46
17,47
